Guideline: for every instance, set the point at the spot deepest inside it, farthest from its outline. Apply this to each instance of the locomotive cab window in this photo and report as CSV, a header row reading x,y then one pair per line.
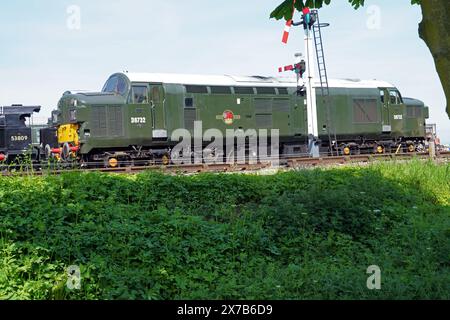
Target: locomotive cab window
x,y
116,84
382,93
139,94
395,97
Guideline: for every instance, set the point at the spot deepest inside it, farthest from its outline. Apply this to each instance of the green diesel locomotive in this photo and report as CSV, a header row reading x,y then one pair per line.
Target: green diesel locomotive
x,y
134,116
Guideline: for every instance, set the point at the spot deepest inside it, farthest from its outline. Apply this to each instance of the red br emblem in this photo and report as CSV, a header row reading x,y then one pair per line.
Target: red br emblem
x,y
228,117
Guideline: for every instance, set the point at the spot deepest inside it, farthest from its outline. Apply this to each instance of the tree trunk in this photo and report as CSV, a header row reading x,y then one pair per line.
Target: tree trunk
x,y
434,30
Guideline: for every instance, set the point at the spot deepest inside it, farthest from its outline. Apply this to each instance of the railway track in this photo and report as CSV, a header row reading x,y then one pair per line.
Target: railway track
x,y
342,160
285,163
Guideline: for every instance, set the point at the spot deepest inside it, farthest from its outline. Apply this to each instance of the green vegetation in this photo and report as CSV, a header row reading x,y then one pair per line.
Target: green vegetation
x,y
297,235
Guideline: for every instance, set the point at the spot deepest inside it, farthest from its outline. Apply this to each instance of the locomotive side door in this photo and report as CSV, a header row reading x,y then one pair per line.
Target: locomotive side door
x,y
385,112
140,114
157,104
397,110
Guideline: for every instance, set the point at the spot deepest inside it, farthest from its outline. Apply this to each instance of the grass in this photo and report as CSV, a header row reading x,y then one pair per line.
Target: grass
x,y
299,235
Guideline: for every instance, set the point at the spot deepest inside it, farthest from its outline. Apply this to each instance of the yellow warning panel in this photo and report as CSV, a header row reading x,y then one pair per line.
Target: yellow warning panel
x,y
68,133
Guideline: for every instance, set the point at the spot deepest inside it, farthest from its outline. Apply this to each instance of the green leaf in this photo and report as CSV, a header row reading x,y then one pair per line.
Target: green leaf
x,y
284,10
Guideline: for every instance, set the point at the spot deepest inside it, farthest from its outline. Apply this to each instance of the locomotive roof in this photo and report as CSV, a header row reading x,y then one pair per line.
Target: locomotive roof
x,y
228,80
20,110
413,102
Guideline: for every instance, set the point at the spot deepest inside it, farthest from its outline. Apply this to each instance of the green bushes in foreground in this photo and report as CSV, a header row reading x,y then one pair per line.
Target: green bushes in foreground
x,y
298,235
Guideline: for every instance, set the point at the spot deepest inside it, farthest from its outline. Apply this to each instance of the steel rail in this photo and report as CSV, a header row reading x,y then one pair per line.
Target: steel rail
x,y
284,162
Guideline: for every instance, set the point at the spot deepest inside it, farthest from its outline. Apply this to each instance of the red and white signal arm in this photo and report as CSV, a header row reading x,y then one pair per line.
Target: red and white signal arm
x,y
288,25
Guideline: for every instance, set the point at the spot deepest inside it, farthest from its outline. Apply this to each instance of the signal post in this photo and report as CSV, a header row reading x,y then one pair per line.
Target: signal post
x,y
308,68
311,101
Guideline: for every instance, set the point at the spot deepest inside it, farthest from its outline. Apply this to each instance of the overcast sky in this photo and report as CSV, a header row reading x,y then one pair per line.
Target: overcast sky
x,y
44,51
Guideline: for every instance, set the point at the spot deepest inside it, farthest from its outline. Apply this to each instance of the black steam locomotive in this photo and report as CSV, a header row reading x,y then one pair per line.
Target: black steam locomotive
x,y
16,140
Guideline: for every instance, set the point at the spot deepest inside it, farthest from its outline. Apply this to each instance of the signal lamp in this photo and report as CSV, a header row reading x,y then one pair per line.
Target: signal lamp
x,y
308,18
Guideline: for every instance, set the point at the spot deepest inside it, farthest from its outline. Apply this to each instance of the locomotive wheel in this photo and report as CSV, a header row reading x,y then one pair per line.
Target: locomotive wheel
x,y
165,159
113,162
346,151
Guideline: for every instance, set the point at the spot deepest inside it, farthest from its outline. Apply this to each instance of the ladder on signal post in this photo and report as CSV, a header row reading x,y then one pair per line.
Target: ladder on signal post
x,y
323,76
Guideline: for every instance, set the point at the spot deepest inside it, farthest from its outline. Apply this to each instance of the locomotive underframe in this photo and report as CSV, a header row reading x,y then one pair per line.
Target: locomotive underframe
x,y
162,153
